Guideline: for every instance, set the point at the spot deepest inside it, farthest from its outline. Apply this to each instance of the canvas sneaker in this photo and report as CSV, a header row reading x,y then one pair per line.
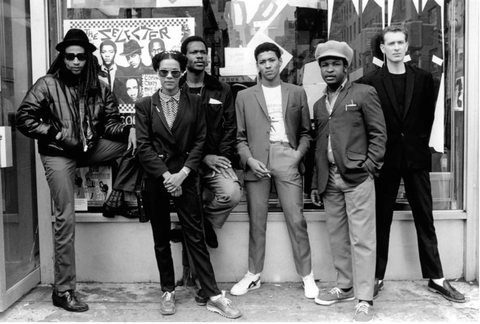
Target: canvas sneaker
x,y
167,303
310,287
249,282
224,307
363,312
334,296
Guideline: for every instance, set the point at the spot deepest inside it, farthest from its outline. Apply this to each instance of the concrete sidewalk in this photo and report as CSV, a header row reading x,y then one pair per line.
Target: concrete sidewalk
x,y
400,301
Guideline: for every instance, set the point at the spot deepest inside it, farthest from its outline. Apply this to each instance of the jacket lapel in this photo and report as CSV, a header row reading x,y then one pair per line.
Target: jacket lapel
x,y
261,98
158,111
341,96
285,94
409,89
387,82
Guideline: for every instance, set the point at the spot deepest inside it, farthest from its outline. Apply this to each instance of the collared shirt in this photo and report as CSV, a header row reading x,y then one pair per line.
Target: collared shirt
x,y
110,74
330,103
169,106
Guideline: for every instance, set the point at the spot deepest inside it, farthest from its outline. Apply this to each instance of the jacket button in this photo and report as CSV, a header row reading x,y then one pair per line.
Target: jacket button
x,y
402,134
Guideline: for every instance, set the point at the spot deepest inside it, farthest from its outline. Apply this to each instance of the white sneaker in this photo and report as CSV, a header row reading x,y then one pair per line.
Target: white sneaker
x,y
249,282
311,289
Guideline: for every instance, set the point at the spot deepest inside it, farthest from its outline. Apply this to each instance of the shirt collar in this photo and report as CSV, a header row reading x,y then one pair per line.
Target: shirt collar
x,y
167,98
113,67
340,88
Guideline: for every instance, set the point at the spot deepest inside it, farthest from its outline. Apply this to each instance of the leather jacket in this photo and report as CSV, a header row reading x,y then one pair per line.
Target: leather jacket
x,y
51,106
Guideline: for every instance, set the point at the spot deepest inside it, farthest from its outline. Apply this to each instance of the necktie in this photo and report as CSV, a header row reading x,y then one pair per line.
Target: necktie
x,y
171,112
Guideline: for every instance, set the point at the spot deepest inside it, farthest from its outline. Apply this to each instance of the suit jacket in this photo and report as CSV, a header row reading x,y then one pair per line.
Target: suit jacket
x,y
357,132
253,123
408,134
161,149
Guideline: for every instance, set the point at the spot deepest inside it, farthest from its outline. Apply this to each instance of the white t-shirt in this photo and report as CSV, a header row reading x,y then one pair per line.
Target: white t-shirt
x,y
273,98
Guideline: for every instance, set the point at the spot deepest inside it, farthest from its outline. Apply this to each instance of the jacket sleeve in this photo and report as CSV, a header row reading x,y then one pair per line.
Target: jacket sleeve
x,y
152,164
227,144
33,117
305,127
242,143
376,130
114,127
195,155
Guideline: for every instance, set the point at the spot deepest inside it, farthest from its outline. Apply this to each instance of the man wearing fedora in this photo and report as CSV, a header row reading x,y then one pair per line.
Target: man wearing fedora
x,y
74,117
351,136
133,53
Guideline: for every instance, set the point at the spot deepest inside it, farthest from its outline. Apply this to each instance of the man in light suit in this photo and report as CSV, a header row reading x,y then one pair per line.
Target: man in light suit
x,y
408,97
350,144
272,139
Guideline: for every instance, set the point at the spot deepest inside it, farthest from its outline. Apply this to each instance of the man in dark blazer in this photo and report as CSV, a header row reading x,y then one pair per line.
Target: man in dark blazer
x,y
350,144
273,125
407,95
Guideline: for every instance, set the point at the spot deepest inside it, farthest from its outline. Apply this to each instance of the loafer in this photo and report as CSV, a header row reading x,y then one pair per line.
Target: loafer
x,y
201,299
69,301
110,212
378,287
447,291
167,303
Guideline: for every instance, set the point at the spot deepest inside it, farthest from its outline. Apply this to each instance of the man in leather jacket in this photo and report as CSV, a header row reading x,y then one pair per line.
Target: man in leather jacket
x,y
74,117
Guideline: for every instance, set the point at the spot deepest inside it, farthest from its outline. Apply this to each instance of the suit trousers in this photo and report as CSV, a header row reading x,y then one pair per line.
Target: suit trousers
x,y
289,184
350,214
188,207
226,196
60,174
419,196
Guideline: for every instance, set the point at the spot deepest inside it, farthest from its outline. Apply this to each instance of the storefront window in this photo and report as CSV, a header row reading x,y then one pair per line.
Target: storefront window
x,y
234,28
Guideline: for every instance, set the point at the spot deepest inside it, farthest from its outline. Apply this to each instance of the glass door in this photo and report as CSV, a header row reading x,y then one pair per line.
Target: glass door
x,y
19,250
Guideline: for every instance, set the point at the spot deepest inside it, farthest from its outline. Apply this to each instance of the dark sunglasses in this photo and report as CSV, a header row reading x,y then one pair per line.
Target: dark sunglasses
x,y
164,73
71,56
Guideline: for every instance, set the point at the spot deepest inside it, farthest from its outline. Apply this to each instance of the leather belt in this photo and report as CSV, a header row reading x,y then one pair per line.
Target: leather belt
x,y
280,143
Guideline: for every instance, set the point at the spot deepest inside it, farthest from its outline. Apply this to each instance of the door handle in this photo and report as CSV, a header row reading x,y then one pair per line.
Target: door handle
x,y
6,156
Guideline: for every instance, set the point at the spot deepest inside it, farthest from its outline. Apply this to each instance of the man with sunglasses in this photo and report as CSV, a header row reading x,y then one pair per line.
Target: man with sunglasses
x,y
74,117
216,172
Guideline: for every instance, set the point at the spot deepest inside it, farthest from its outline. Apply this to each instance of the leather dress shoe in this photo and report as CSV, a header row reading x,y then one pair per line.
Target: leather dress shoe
x,y
377,288
210,235
69,301
201,299
447,291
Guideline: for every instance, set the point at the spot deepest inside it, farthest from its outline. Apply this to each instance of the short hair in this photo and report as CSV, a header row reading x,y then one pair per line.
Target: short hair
x,y
189,40
174,55
156,40
394,29
266,47
108,42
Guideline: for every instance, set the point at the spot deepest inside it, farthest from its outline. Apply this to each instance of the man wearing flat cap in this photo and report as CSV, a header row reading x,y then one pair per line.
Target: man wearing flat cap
x,y
74,117
351,136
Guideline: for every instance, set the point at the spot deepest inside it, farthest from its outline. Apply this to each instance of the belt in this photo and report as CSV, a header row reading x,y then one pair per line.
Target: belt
x,y
280,143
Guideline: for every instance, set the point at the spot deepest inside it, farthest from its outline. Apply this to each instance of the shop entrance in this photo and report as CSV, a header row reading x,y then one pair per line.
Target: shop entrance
x,y
19,249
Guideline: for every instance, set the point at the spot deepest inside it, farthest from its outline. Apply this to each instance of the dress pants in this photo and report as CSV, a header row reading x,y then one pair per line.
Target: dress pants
x,y
419,196
60,174
188,205
350,214
227,194
283,165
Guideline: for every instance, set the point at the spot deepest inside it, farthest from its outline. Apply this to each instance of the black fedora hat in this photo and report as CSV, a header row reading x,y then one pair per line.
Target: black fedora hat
x,y
131,47
76,37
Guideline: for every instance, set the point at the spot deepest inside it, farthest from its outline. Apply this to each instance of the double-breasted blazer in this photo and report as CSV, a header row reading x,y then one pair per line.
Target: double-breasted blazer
x,y
161,149
253,123
408,133
357,132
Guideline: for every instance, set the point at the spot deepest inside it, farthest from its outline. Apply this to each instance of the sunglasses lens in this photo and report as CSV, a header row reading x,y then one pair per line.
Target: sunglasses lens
x,y
164,73
71,57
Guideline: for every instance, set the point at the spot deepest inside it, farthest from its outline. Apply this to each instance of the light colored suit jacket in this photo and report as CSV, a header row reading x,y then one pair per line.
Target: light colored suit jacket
x,y
253,123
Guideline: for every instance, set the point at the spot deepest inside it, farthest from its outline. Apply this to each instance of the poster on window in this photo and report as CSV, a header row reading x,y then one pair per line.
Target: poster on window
x,y
125,48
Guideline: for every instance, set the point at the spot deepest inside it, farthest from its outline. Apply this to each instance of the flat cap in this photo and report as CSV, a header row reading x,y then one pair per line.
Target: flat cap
x,y
334,49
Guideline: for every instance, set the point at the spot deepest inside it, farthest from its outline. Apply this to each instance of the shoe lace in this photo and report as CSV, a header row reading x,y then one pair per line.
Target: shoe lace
x,y
168,296
225,300
335,291
362,308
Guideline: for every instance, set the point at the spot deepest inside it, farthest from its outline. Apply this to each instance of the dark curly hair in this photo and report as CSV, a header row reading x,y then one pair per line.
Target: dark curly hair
x,y
267,47
189,40
174,55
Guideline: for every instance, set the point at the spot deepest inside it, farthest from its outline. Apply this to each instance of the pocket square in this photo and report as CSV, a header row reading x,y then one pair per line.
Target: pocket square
x,y
214,101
